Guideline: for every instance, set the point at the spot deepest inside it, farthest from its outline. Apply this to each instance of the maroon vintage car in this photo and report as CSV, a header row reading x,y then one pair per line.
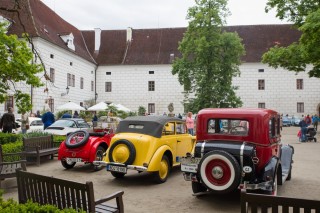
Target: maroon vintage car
x,y
82,146
238,148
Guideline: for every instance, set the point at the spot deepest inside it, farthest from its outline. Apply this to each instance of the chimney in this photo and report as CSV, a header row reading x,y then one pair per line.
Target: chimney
x,y
129,34
97,39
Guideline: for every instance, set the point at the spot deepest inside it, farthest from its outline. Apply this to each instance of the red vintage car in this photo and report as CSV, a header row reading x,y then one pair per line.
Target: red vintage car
x,y
238,148
82,146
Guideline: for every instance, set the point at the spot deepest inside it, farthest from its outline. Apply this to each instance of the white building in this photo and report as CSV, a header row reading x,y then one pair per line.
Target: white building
x,y
133,66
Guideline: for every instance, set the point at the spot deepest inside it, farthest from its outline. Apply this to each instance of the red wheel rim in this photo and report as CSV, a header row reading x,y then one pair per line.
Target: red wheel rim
x,y
218,166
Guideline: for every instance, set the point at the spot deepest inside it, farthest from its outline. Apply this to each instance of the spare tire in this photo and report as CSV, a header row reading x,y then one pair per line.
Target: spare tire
x,y
77,139
220,171
122,151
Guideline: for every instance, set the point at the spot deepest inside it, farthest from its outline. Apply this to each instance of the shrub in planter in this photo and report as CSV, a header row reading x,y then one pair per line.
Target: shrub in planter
x,y
9,206
9,138
12,148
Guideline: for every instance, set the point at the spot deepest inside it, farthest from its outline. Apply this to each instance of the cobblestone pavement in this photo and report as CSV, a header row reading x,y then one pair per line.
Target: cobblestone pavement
x,y
143,195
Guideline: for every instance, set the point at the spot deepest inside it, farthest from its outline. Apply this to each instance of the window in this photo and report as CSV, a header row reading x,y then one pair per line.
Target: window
x,y
71,63
181,128
81,104
151,72
260,70
108,87
51,104
92,85
299,84
52,74
151,86
151,108
262,105
228,127
81,83
300,107
168,128
108,73
51,56
261,84
9,103
70,80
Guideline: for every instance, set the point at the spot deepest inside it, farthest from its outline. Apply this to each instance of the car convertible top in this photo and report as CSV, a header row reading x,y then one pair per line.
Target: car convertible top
x,y
148,125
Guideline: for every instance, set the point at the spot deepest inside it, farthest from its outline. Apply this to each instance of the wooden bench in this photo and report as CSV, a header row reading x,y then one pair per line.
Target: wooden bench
x,y
255,203
8,169
39,146
64,193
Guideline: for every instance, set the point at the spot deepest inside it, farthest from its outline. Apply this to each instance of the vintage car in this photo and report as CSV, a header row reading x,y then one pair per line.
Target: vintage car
x,y
238,148
65,126
148,143
82,146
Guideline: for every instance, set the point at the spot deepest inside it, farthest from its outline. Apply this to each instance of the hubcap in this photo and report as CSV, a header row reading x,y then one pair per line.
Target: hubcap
x,y
121,153
163,169
217,172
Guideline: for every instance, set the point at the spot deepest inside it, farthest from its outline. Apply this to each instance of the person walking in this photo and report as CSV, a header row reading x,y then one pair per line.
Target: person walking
x,y
315,120
47,118
190,123
38,114
308,120
303,128
24,123
8,121
76,114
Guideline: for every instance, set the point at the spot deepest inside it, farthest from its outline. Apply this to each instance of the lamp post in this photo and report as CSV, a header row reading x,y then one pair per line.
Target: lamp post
x,y
67,91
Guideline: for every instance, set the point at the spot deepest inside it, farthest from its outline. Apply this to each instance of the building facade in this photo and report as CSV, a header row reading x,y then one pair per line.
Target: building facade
x,y
133,66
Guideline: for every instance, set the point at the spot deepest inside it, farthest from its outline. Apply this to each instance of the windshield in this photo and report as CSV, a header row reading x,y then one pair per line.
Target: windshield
x,y
64,123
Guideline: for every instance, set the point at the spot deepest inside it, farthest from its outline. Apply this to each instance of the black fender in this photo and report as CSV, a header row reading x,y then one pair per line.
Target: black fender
x,y
270,169
287,152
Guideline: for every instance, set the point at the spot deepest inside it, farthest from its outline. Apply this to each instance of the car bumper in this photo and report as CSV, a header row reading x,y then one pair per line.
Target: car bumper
x,y
113,166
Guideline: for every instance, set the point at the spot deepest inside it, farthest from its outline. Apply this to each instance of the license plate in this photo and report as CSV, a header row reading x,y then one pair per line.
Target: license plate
x,y
189,164
74,160
116,168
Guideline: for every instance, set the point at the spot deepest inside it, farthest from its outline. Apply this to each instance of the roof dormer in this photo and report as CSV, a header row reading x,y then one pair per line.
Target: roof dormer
x,y
68,40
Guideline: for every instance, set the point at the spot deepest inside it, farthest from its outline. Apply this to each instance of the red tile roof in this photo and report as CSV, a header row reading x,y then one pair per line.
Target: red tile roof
x,y
40,21
148,46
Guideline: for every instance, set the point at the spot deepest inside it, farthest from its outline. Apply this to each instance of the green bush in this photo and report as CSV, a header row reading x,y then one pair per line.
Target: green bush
x,y
12,148
9,206
9,138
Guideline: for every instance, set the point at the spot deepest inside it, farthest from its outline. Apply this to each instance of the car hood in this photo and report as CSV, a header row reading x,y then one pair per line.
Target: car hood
x,y
62,130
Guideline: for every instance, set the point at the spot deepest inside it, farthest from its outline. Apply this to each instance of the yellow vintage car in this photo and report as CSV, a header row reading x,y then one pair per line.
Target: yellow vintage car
x,y
148,143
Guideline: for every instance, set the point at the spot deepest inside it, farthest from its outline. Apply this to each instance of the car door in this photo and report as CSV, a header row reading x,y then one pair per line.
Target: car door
x,y
183,139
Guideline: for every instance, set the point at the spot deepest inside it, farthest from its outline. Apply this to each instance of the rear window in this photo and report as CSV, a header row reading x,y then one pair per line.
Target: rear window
x,y
228,126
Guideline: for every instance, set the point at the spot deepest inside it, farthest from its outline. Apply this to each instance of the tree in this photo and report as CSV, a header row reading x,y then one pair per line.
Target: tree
x,y
16,65
306,18
210,58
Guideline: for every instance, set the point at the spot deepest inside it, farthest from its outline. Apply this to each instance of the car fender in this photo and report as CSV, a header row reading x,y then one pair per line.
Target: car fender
x,y
154,164
286,160
270,169
94,146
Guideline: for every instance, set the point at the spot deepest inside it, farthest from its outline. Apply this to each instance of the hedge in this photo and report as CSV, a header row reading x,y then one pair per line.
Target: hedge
x,y
12,143
9,206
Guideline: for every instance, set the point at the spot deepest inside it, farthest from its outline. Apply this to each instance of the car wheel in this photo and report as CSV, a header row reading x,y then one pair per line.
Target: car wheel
x,y
198,187
77,139
117,174
122,151
274,191
315,139
164,170
289,175
67,165
220,171
99,156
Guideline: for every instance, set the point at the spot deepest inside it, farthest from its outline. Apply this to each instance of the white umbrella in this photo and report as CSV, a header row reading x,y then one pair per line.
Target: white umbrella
x,y
121,107
70,106
98,107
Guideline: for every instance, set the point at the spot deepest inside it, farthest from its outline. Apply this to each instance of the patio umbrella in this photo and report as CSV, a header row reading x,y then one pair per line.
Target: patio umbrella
x,y
121,107
70,106
98,107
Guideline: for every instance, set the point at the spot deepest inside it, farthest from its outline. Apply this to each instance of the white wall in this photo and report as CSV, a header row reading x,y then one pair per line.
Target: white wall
x,y
61,64
130,87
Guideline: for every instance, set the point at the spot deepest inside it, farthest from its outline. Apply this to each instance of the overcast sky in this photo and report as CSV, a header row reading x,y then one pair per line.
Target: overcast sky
x,y
139,14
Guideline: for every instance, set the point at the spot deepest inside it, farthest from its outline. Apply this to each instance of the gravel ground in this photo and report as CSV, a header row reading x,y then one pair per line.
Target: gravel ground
x,y
143,195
